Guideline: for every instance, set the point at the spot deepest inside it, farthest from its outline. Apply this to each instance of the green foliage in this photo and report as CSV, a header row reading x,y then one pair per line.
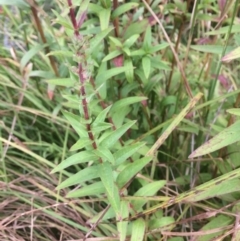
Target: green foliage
x,y
100,111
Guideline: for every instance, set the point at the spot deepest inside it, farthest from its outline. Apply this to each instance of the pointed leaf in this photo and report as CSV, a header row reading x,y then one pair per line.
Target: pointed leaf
x,y
131,170
224,30
129,70
62,20
115,41
112,138
163,222
226,137
149,189
219,223
122,225
126,102
104,16
234,111
29,54
125,152
67,82
81,143
106,174
213,49
158,47
83,156
61,53
74,121
99,127
107,74
104,154
138,230
146,64
123,8
232,55
15,3
112,55
87,174
174,124
102,115
136,28
147,38
222,188
94,189
96,40
130,41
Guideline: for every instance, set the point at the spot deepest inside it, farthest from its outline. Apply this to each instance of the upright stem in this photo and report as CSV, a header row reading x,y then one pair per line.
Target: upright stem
x,y
82,76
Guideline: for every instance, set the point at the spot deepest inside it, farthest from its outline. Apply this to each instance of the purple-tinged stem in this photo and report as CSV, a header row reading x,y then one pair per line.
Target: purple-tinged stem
x,y
81,75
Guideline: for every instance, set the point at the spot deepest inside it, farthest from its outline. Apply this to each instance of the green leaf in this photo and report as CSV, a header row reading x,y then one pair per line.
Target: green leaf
x,y
74,121
126,102
139,52
62,20
15,3
226,137
221,188
125,152
126,51
102,115
147,42
105,154
118,117
87,174
129,70
94,8
123,8
112,55
81,157
130,41
138,230
157,47
232,55
159,64
84,4
106,3
42,74
221,221
110,140
94,189
213,49
29,54
146,64
106,174
115,41
67,82
81,143
136,28
163,222
97,39
224,30
234,111
107,74
174,124
104,16
149,189
61,53
131,170
122,225
99,127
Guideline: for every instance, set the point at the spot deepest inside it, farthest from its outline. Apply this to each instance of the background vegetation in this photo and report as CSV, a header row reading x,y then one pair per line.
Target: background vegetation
x,y
119,120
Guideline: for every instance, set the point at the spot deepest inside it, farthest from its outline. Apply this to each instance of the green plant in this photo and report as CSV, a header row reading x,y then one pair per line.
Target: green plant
x,y
102,95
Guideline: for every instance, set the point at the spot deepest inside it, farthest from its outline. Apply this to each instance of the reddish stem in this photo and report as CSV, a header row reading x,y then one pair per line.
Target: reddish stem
x,y
73,18
82,77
